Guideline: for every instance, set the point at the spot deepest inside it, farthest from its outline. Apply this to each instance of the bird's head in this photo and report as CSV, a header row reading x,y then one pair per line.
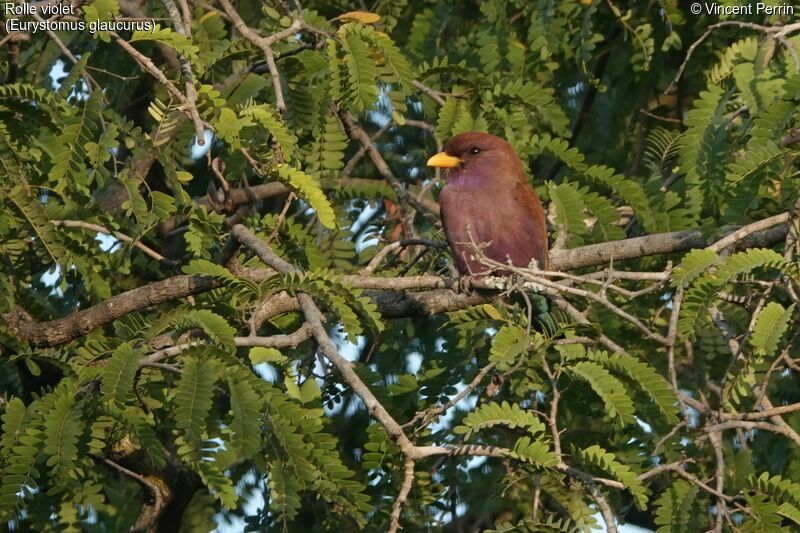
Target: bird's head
x,y
475,157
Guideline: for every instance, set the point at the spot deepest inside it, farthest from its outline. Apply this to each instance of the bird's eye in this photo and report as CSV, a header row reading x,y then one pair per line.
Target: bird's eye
x,y
474,150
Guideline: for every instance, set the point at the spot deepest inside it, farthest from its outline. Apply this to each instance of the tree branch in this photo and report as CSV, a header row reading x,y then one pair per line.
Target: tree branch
x,y
116,234
408,480
391,295
61,330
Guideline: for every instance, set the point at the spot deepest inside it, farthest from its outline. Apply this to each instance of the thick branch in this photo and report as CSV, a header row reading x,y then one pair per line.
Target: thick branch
x,y
59,331
392,295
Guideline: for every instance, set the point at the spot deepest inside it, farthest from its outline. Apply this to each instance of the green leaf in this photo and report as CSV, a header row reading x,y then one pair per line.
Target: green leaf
x,y
790,511
695,263
260,355
781,489
168,37
13,419
449,115
493,414
203,232
703,292
310,391
284,491
220,485
398,64
610,389
648,380
228,126
205,267
163,205
30,207
216,327
360,66
135,204
675,508
20,444
269,118
119,373
62,428
245,426
69,152
308,189
535,452
101,10
194,397
771,324
569,210
509,342
607,461
324,156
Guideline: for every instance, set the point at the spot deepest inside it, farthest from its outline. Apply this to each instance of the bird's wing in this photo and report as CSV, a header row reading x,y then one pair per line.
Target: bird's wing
x,y
531,223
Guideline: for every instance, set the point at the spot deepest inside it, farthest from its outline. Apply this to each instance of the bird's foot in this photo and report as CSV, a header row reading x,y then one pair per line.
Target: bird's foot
x,y
514,282
463,285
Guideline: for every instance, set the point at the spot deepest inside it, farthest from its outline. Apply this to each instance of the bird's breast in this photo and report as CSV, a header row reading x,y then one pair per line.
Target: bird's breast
x,y
506,225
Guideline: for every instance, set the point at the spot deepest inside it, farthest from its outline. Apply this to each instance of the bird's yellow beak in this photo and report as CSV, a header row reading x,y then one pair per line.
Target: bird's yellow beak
x,y
443,160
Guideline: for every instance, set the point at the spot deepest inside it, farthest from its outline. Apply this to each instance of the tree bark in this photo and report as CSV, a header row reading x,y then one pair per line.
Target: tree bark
x,y
393,296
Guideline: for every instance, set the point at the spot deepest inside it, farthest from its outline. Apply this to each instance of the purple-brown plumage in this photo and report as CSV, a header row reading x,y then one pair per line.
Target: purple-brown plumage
x,y
487,200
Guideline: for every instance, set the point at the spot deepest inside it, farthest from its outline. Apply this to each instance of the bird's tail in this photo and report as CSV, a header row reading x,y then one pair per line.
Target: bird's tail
x,y
542,320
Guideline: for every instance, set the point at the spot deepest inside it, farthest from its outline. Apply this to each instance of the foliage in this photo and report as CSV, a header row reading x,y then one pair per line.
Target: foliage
x,y
145,348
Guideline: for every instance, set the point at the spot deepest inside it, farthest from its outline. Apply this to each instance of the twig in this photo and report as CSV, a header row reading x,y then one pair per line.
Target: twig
x,y
265,44
281,216
748,230
785,428
116,234
147,64
396,245
379,257
750,425
90,81
315,323
676,467
183,27
580,317
647,113
664,468
715,439
766,413
162,366
552,421
665,438
161,492
291,340
357,133
605,509
779,32
166,353
436,96
672,336
556,287
433,413
792,138
402,496
362,151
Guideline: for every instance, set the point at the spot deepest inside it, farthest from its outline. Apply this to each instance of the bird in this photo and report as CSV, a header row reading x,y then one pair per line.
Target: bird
x,y
487,200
